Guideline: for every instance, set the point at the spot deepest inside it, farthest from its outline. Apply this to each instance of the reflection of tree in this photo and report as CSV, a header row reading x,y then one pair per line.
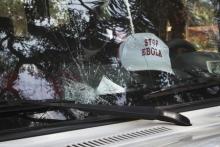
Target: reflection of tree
x,y
161,12
15,11
216,3
58,44
49,47
201,13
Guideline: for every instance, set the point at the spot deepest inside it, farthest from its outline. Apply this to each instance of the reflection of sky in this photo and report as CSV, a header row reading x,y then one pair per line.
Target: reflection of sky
x,y
46,22
120,34
75,4
33,87
61,9
206,1
28,45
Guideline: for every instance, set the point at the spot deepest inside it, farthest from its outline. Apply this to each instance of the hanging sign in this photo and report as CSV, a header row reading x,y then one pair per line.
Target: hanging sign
x,y
145,51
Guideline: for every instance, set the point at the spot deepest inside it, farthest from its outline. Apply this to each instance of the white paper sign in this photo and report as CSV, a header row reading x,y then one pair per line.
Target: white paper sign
x,y
106,86
145,51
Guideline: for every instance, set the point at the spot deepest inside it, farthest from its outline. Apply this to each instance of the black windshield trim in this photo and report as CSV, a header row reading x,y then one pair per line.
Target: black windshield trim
x,y
59,127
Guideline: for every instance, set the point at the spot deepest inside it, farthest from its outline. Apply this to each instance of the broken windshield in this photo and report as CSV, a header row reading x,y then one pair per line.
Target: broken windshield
x,y
109,52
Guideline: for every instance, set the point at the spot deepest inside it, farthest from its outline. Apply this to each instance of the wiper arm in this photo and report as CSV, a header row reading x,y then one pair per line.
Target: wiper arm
x,y
140,112
181,88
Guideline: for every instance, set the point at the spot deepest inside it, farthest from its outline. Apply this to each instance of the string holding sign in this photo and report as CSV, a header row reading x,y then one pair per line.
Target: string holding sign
x,y
129,16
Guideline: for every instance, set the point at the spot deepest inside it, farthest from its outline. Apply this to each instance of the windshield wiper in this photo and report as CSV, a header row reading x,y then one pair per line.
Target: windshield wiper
x,y
137,112
182,88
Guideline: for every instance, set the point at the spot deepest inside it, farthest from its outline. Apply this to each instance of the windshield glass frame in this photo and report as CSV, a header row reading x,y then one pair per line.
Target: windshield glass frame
x,y
108,52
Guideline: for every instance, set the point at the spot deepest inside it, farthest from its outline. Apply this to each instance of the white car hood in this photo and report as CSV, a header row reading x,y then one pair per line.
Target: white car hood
x,y
205,131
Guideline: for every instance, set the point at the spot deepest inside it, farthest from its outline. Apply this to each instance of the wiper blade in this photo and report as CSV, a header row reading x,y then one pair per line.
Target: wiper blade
x,y
181,88
137,112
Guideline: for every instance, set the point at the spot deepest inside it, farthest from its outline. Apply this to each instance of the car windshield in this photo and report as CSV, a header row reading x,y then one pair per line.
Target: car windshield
x,y
109,52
